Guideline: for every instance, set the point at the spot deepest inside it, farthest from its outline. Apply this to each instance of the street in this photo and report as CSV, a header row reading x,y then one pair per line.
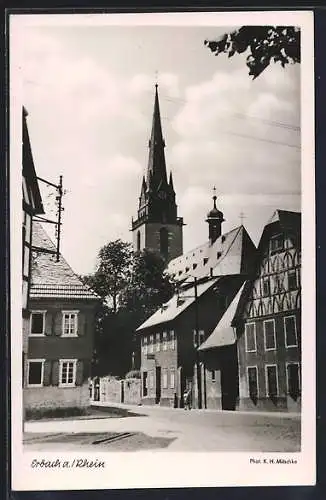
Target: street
x,y
143,428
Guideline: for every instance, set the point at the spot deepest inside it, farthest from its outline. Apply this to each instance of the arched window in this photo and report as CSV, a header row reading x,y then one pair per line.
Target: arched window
x,y
138,241
164,242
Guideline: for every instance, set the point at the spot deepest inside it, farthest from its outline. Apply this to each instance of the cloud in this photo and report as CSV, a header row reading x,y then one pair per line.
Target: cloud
x,y
90,118
234,134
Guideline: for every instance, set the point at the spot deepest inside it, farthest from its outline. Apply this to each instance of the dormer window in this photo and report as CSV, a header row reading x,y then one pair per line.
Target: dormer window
x,y
187,269
276,243
194,266
218,255
205,260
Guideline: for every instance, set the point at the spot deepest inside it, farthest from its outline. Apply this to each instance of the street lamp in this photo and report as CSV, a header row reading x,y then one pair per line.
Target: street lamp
x,y
197,339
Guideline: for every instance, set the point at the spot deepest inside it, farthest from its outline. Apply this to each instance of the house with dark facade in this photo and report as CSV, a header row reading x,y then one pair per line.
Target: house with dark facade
x,y
32,205
268,320
60,331
209,278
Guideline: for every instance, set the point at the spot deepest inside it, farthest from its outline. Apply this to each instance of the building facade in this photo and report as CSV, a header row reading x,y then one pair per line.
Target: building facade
x,y
32,205
60,332
157,226
269,320
209,278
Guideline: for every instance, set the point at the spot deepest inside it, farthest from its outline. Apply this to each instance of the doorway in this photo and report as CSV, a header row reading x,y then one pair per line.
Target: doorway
x,y
229,379
158,384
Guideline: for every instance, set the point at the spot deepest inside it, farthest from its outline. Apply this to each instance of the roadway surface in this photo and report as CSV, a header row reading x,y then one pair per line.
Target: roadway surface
x,y
146,428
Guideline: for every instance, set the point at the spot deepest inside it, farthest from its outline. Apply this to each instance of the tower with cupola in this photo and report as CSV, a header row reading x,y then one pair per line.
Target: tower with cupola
x,y
157,226
215,218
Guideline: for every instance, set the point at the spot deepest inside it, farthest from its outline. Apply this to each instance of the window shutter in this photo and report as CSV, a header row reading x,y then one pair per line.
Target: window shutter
x,y
55,373
47,372
48,330
81,319
79,373
86,369
57,323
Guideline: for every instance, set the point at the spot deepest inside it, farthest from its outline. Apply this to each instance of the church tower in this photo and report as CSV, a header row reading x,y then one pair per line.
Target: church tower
x,y
215,218
157,226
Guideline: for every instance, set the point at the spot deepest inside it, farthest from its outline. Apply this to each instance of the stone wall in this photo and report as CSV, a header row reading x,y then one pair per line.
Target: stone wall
x,y
132,391
56,397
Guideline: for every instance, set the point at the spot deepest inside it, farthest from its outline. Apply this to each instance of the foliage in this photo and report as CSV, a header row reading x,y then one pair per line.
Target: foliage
x,y
139,285
280,44
112,271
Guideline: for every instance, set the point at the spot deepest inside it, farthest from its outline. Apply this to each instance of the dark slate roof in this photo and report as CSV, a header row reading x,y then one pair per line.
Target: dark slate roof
x,y
173,308
232,253
51,278
224,333
290,223
29,169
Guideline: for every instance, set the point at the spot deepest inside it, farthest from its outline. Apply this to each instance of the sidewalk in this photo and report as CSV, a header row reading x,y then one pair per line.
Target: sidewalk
x,y
149,408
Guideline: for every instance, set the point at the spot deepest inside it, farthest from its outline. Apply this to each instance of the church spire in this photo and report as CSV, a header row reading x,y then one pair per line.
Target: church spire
x,y
156,159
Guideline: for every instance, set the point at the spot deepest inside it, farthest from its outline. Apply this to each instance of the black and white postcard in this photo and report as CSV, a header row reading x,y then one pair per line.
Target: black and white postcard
x,y
162,250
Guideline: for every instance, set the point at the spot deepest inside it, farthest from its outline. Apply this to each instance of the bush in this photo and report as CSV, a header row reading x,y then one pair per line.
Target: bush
x,y
133,374
39,413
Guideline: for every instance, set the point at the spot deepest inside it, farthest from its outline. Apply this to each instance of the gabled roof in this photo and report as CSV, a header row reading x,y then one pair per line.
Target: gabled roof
x,y
231,253
290,223
173,308
51,278
223,334
29,168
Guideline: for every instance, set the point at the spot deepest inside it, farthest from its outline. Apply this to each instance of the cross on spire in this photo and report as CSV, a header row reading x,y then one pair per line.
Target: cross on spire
x,y
242,217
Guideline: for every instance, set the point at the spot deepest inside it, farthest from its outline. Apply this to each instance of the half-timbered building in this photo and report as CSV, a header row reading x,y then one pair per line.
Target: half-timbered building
x,y
268,320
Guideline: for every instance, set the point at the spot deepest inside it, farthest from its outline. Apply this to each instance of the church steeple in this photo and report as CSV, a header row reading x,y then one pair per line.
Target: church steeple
x,y
156,159
157,226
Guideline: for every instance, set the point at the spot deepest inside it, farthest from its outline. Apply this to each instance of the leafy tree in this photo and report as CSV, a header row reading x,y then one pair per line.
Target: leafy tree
x,y
112,271
136,285
280,44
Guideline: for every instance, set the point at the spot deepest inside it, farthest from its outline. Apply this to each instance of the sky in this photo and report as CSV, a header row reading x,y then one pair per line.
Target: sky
x,y
89,92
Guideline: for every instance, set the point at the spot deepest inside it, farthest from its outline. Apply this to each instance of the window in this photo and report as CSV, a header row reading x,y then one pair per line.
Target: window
x,y
290,329
198,341
151,379
271,381
276,243
67,372
165,378
145,384
266,287
37,323
165,342
138,241
151,344
293,379
194,266
35,372
164,241
158,342
172,378
292,280
69,323
205,260
269,334
213,375
172,340
252,373
250,337
145,346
